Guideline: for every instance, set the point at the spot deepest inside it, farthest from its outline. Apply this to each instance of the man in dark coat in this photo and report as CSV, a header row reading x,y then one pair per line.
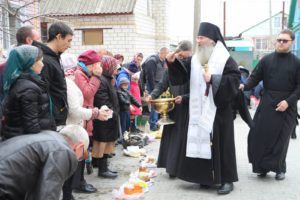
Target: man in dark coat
x,y
59,40
153,70
275,116
208,151
35,166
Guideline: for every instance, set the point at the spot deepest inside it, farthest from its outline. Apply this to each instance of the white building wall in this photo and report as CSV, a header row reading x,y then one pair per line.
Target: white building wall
x,y
118,34
145,28
161,16
143,31
124,34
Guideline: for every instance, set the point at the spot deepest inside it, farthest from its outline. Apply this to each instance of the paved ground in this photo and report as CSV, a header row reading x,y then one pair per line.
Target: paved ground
x,y
248,187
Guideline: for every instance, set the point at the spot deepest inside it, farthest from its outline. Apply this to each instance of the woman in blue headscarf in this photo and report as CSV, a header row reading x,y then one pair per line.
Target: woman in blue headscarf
x,y
27,105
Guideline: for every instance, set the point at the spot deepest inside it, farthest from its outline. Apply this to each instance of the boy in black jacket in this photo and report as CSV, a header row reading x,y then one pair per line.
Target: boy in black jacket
x,y
125,101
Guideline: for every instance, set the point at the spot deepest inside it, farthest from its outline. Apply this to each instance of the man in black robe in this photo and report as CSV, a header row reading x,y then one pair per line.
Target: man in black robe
x,y
207,150
173,134
275,116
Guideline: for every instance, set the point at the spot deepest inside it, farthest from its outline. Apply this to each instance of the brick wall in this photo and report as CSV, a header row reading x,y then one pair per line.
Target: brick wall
x,y
143,31
161,15
119,33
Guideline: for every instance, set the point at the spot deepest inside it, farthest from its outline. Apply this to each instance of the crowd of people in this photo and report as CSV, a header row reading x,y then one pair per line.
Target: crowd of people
x,y
62,114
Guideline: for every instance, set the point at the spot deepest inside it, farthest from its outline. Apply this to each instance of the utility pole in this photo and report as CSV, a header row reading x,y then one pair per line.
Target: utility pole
x,y
271,25
224,19
197,16
282,20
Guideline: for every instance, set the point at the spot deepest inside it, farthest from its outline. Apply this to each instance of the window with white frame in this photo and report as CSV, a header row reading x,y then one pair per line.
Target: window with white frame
x,y
261,44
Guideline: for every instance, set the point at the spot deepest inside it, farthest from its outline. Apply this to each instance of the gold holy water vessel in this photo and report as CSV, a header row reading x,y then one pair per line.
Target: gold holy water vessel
x,y
163,106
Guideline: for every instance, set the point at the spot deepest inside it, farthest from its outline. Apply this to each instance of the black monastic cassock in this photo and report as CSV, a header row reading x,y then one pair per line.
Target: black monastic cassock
x,y
173,134
222,167
268,140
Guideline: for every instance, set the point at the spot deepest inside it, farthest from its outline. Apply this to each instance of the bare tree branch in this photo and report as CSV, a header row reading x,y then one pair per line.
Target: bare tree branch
x,y
7,8
14,12
17,10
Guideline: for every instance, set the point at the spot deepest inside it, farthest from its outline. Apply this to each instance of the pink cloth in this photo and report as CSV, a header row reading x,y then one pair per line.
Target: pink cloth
x,y
88,87
135,92
2,65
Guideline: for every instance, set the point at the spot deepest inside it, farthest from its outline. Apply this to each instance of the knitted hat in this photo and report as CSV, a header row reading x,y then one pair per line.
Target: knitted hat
x,y
89,57
133,67
123,80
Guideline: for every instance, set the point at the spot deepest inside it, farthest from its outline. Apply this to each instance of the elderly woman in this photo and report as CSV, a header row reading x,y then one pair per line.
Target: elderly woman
x,y
28,106
78,111
105,133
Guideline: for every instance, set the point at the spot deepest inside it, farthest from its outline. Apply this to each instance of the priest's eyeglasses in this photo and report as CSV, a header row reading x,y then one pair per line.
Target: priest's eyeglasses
x,y
283,41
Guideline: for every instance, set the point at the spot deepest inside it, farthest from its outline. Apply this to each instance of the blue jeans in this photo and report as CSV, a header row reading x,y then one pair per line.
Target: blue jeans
x,y
125,121
153,118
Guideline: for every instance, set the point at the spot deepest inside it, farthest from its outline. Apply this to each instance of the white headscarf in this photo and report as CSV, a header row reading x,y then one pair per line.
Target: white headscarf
x,y
68,61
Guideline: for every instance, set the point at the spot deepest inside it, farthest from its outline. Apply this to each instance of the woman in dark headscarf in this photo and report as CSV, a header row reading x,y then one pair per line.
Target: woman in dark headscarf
x,y
105,133
27,105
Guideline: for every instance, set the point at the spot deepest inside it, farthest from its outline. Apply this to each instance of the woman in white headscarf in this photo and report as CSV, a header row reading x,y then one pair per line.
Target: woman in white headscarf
x,y
77,115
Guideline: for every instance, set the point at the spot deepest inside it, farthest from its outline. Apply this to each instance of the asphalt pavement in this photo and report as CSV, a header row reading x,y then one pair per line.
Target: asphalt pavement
x,y
249,186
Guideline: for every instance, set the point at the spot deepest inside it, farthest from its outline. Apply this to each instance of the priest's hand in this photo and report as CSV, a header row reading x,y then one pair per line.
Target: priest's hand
x,y
178,99
282,106
241,87
207,77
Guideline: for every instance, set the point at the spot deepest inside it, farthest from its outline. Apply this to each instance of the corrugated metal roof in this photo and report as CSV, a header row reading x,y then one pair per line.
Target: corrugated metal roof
x,y
86,7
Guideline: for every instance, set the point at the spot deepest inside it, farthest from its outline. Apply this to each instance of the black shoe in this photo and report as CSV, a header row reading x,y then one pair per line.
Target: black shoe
x,y
103,170
89,168
113,171
262,175
171,176
107,174
226,188
280,176
85,188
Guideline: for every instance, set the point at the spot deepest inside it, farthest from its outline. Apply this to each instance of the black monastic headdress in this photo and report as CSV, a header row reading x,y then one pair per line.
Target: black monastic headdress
x,y
211,31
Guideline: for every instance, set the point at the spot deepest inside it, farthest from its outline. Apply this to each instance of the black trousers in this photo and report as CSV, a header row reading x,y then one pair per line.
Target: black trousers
x,y
78,176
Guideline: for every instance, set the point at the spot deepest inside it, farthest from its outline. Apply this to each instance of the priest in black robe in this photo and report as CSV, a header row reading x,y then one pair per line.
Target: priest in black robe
x,y
275,116
173,134
207,150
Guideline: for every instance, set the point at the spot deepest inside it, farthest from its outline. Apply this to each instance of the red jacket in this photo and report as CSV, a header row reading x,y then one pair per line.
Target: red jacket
x,y
88,87
135,92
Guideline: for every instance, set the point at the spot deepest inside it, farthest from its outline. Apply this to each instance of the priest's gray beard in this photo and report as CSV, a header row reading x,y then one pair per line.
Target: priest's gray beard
x,y
203,53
